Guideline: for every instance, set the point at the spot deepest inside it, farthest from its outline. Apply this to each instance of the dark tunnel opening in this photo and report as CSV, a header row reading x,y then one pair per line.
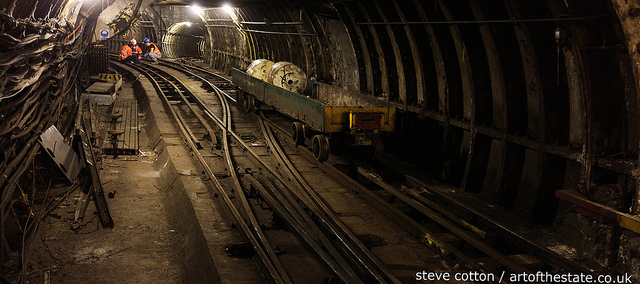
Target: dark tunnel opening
x,y
184,40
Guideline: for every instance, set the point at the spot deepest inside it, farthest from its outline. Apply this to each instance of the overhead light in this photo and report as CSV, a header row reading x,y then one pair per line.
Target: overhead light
x,y
188,24
196,9
227,8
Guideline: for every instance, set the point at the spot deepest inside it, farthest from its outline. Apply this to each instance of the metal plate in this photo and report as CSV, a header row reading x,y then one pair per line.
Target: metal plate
x,y
100,99
102,88
61,152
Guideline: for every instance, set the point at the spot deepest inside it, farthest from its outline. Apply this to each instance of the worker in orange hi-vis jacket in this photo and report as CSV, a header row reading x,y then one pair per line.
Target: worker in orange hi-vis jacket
x,y
153,52
131,52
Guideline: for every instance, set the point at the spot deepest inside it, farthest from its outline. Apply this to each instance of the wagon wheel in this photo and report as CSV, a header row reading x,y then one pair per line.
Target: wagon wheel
x,y
251,103
241,99
297,133
320,147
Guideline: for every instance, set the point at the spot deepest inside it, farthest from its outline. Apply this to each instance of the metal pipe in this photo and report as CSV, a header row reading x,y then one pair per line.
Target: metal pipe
x,y
277,33
220,20
272,23
510,21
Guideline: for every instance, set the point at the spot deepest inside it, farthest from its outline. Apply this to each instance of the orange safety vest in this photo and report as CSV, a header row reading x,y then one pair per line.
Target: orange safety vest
x,y
138,51
155,49
125,52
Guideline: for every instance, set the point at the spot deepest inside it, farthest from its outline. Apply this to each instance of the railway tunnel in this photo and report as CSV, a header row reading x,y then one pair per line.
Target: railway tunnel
x,y
512,147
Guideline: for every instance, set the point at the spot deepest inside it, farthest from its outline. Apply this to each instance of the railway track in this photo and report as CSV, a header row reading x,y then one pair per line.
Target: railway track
x,y
272,174
179,102
296,188
347,258
460,233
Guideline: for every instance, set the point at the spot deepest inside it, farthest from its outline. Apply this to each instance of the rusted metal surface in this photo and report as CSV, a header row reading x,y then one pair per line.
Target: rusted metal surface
x,y
61,152
598,211
399,65
420,79
366,85
329,114
499,104
383,77
88,157
438,61
127,123
468,95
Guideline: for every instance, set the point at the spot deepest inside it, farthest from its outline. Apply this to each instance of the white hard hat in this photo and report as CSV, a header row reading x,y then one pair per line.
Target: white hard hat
x,y
133,41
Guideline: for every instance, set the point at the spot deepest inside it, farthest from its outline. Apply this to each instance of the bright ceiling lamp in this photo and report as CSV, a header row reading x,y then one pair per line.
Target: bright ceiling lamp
x,y
196,9
227,8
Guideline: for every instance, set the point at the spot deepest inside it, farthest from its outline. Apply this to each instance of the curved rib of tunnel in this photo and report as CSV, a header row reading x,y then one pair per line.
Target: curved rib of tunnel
x,y
184,40
507,101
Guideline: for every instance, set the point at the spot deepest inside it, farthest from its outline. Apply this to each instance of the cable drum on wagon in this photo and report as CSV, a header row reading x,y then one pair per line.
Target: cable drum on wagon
x,y
261,69
288,76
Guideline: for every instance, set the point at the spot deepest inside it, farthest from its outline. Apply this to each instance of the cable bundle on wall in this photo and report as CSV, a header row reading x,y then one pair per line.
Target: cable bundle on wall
x,y
37,59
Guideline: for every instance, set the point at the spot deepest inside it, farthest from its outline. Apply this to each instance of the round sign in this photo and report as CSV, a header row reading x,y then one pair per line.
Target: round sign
x,y
104,33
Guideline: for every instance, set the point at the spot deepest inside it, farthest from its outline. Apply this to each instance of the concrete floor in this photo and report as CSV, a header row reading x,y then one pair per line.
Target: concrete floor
x,y
143,247
168,227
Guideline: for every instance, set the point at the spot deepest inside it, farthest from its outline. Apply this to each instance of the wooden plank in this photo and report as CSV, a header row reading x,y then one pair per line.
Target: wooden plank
x,y
624,220
86,152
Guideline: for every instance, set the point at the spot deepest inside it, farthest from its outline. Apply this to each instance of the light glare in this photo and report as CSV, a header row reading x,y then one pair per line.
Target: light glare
x,y
197,9
227,8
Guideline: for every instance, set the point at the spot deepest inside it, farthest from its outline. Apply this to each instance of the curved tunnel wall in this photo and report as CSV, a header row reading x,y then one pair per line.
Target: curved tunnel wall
x,y
508,110
501,108
184,39
512,110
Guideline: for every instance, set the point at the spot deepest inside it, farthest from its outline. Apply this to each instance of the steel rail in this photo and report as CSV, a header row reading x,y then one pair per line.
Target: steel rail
x,y
408,223
316,204
308,202
404,221
184,98
360,252
238,188
293,218
348,277
451,227
545,254
504,232
373,265
270,262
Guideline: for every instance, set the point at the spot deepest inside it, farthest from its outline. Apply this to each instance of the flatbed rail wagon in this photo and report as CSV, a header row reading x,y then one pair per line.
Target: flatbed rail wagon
x,y
326,112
